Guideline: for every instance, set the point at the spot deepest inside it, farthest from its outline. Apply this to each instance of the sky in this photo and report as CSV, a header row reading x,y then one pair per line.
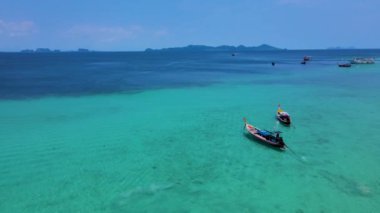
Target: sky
x,y
133,25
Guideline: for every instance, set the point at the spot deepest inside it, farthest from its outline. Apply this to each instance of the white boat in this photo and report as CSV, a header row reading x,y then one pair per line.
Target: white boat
x,y
362,61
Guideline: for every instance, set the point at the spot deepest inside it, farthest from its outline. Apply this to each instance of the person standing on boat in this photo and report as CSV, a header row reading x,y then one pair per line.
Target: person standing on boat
x,y
279,139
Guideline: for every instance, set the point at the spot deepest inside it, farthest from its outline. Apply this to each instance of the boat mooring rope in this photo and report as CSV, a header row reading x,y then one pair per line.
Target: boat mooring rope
x,y
301,159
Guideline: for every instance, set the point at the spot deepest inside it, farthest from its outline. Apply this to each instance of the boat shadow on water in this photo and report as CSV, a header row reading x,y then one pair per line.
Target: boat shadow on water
x,y
261,143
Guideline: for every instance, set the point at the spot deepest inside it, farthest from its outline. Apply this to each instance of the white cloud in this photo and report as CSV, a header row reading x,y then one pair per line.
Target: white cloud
x,y
104,33
17,29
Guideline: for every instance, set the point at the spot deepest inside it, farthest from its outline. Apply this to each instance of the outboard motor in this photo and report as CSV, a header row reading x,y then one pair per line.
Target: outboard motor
x,y
279,139
281,142
277,136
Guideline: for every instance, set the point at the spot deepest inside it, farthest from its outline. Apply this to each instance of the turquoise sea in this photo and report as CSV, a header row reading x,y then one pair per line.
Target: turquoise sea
x,y
163,132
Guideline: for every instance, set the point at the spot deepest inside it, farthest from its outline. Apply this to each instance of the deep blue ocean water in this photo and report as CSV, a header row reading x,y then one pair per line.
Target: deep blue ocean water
x,y
25,75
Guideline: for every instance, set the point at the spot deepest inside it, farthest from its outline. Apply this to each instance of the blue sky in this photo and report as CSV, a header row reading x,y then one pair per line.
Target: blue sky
x,y
136,25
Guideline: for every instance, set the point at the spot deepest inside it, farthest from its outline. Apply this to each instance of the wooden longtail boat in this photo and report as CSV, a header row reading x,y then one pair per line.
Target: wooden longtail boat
x,y
283,116
264,136
345,65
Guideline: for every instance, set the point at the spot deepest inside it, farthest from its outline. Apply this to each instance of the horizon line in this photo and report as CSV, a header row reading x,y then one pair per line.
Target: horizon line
x,y
87,50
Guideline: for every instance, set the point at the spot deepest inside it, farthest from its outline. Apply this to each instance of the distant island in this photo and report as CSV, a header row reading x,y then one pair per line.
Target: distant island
x,y
189,48
198,48
47,50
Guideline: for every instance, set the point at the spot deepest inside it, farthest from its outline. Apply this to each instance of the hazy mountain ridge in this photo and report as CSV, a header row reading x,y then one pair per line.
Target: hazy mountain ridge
x,y
263,47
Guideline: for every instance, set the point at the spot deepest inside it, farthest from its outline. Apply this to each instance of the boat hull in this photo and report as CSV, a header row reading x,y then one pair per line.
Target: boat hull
x,y
251,131
344,65
286,122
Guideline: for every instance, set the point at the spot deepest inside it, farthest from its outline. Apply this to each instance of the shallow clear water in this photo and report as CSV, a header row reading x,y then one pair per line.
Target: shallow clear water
x,y
178,146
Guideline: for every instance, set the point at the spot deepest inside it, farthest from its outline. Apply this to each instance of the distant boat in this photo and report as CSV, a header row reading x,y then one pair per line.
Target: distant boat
x,y
362,61
283,116
267,137
307,58
303,62
345,65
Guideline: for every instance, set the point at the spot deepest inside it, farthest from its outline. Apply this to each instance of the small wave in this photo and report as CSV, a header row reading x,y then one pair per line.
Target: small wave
x,y
148,190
